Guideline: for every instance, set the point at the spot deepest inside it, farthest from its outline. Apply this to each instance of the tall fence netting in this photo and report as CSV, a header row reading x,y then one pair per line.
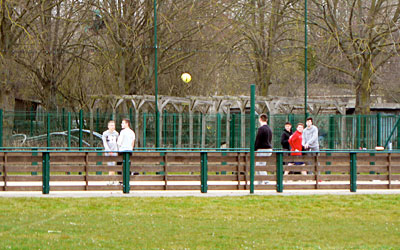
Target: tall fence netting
x,y
183,130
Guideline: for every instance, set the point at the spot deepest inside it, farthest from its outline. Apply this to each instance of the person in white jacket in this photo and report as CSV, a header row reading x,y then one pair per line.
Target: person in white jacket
x,y
126,138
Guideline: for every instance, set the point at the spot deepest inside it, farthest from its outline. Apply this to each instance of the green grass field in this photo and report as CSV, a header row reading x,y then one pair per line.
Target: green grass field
x,y
248,222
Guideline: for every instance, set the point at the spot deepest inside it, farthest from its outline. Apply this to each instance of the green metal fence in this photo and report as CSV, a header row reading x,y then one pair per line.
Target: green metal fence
x,y
75,129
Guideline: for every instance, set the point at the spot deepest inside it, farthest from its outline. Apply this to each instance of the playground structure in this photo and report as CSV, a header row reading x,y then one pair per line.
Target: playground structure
x,y
198,130
197,122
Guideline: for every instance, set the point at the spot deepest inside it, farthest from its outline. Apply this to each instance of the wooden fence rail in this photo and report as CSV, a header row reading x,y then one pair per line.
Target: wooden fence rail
x,y
203,171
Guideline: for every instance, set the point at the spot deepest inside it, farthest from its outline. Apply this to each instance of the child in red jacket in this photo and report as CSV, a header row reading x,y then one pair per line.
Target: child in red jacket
x,y
296,146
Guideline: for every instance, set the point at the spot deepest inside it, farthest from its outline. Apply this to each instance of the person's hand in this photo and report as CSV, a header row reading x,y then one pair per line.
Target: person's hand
x,y
296,150
306,146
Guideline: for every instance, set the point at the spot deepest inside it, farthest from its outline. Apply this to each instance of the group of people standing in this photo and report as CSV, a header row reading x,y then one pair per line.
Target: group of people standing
x,y
114,142
303,139
123,141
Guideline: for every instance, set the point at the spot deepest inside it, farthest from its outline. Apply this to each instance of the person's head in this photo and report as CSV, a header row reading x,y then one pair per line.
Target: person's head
x,y
309,122
111,125
125,123
288,126
300,127
263,119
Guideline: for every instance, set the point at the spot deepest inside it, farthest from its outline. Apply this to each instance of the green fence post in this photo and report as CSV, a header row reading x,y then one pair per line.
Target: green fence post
x,y
126,172
379,129
69,133
279,172
34,153
69,130
204,172
353,172
174,130
80,129
31,123
331,133
1,128
97,120
398,133
63,119
240,131
131,118
200,128
358,140
233,130
144,130
165,120
46,172
37,118
218,130
252,135
364,132
48,130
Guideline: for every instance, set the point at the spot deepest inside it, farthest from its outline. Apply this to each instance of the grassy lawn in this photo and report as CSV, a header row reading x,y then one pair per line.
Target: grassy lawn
x,y
249,222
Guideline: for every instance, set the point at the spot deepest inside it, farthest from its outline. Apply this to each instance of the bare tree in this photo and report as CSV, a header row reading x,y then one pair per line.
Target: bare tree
x,y
15,18
363,32
263,26
55,43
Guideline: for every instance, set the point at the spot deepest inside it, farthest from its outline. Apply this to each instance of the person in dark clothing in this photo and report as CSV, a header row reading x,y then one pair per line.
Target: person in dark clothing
x,y
263,144
287,132
264,134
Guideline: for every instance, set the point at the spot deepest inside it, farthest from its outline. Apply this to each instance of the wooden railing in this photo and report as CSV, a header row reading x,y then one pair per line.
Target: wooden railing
x,y
209,170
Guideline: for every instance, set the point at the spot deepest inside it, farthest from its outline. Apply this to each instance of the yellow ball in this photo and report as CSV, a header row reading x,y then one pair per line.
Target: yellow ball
x,y
186,77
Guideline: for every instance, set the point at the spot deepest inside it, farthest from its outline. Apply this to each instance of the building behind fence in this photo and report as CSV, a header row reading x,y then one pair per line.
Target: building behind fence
x,y
183,130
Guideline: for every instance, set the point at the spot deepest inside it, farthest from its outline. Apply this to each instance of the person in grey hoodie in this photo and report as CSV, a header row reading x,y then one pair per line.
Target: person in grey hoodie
x,y
310,136
310,139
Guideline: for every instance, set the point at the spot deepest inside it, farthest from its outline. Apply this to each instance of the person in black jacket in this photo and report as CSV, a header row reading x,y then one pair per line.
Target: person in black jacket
x,y
287,132
263,143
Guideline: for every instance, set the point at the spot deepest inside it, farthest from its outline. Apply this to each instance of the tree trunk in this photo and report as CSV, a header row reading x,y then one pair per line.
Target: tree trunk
x,y
363,91
267,44
7,97
7,104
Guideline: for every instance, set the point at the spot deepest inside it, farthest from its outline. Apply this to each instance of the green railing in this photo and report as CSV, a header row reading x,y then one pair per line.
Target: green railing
x,y
75,129
392,174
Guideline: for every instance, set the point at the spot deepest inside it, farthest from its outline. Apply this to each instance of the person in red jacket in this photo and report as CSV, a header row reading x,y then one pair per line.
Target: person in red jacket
x,y
296,146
